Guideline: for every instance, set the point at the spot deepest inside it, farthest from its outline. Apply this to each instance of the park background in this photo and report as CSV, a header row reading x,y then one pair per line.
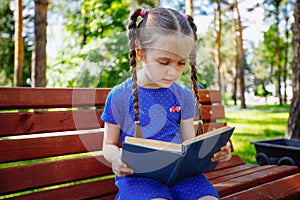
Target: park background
x,y
245,49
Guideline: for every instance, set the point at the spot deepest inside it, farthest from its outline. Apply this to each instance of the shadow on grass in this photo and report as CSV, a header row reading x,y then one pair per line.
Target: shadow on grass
x,y
266,133
281,121
272,108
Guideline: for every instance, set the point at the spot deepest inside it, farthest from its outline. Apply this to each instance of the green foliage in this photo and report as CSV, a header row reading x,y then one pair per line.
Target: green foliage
x,y
7,45
101,63
93,19
96,49
264,58
261,91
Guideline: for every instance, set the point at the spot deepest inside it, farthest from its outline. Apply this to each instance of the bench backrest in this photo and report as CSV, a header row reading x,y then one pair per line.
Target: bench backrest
x,y
51,142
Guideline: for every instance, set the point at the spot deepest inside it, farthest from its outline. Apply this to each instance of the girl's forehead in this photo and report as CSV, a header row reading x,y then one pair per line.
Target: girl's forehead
x,y
181,46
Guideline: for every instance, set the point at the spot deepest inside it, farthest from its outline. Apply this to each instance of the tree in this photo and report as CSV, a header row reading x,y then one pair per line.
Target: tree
x,y
287,46
19,45
189,7
40,40
235,56
157,3
218,32
278,58
273,9
293,130
102,60
242,59
7,44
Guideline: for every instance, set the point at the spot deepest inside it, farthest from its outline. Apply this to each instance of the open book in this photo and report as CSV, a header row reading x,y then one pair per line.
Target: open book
x,y
169,162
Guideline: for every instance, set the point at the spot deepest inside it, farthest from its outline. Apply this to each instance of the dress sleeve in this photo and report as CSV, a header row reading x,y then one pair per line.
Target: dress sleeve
x,y
112,111
188,107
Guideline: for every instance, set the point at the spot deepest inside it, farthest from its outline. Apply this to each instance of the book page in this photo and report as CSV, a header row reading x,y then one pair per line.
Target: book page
x,y
155,144
206,135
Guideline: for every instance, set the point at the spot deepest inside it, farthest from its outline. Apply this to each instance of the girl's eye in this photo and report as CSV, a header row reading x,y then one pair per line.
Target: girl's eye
x,y
183,63
163,62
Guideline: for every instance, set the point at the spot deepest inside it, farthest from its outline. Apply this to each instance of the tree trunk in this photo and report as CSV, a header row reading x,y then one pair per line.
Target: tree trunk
x,y
218,29
242,60
293,130
39,53
19,46
189,7
85,23
278,59
157,3
286,51
235,57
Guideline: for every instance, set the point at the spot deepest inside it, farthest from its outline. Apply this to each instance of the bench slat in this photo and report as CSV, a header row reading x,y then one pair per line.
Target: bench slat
x,y
235,173
23,98
101,190
284,188
212,126
49,146
62,171
234,161
250,180
42,122
213,176
212,112
210,96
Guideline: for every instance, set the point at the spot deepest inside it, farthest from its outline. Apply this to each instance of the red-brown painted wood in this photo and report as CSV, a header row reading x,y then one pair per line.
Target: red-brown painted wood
x,y
22,123
101,190
48,146
213,176
230,178
212,112
284,188
210,96
247,181
50,173
212,126
23,98
235,173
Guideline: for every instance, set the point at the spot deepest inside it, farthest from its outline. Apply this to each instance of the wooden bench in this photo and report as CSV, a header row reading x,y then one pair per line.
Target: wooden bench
x,y
51,140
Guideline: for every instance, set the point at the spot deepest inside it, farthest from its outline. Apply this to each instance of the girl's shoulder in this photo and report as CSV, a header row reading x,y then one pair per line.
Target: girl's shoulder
x,y
180,89
123,88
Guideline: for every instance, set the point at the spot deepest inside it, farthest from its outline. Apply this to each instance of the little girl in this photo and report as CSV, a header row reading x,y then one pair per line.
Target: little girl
x,y
152,105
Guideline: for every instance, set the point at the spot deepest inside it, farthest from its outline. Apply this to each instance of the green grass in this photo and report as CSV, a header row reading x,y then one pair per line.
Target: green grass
x,y
256,123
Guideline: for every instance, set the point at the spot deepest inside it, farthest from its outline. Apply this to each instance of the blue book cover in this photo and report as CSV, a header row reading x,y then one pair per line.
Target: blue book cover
x,y
169,162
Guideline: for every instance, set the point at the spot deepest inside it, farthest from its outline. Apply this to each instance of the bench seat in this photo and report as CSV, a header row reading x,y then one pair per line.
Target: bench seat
x,y
51,142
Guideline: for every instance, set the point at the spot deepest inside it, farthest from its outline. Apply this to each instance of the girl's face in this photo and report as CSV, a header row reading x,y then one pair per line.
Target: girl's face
x,y
164,62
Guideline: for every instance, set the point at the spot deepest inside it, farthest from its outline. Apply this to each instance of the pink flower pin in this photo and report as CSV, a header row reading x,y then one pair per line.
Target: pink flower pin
x,y
175,109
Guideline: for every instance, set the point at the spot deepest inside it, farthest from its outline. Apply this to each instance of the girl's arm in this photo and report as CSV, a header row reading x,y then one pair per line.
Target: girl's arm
x,y
111,150
187,131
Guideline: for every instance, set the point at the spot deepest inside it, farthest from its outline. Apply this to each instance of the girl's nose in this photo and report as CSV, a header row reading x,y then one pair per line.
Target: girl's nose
x,y
172,71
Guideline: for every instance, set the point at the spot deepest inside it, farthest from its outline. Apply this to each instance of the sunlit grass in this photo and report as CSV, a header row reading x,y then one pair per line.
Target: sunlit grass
x,y
256,123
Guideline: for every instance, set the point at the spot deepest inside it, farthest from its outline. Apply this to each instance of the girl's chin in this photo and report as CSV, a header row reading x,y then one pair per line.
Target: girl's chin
x,y
165,85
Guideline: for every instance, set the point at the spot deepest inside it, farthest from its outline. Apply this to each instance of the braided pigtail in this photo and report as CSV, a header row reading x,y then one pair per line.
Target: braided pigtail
x,y
132,38
194,77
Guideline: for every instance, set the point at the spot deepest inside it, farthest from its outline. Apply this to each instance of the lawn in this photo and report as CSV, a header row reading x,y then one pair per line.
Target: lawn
x,y
256,123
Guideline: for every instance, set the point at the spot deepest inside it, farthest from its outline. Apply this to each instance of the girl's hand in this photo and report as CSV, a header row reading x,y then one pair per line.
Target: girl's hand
x,y
120,169
223,155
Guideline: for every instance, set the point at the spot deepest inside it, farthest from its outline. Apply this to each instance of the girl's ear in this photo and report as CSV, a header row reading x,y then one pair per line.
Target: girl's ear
x,y
139,53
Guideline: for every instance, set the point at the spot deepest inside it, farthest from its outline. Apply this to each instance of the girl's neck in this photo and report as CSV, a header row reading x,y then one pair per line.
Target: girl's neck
x,y
144,81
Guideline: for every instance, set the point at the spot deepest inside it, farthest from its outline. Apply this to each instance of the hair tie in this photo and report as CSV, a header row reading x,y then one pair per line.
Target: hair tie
x,y
143,12
185,16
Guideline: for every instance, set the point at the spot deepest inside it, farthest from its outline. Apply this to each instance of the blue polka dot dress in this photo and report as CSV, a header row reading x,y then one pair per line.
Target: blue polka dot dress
x,y
160,113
